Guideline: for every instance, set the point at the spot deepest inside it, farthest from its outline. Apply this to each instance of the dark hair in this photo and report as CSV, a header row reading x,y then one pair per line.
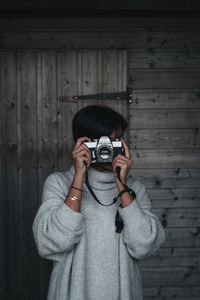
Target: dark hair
x,y
95,121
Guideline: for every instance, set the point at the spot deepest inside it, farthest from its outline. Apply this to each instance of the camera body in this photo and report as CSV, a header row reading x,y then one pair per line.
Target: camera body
x,y
104,150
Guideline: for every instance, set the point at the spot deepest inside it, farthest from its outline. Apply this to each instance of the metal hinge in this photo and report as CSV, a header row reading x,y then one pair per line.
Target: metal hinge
x,y
126,95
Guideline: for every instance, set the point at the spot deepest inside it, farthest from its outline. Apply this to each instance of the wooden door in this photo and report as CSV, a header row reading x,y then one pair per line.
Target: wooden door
x,y
85,73
37,107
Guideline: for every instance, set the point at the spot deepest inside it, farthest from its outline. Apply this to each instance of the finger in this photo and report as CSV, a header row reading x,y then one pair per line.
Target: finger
x,y
122,157
80,141
128,163
86,160
121,165
81,150
82,153
125,163
81,147
127,151
115,159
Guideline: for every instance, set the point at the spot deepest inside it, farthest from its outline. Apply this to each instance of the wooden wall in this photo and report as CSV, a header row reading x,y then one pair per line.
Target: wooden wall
x,y
163,69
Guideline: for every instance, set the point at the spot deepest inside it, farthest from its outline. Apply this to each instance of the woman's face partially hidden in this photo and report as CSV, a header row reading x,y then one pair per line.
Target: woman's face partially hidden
x,y
107,166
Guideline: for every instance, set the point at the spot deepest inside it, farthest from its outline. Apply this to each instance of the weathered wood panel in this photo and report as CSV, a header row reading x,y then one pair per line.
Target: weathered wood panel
x,y
178,217
157,78
66,105
182,237
93,38
3,202
174,198
10,139
47,135
174,257
166,158
165,138
164,131
136,8
164,134
141,78
186,58
37,139
165,118
167,276
175,292
141,24
166,98
168,178
103,72
28,173
83,73
44,266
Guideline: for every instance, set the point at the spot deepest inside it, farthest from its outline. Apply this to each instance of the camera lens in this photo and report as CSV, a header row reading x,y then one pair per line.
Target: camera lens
x,y
104,153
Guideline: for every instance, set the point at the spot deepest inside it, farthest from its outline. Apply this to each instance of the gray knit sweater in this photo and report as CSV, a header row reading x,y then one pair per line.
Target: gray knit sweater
x,y
91,261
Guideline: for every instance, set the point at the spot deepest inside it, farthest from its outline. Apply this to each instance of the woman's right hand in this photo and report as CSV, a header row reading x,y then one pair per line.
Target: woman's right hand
x,y
81,154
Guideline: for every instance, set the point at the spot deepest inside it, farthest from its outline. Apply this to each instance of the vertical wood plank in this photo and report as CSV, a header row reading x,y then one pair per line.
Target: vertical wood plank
x,y
29,188
47,136
3,227
20,249
88,75
67,88
9,118
59,76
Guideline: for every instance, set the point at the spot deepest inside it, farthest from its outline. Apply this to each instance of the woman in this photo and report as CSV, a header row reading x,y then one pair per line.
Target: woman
x,y
75,224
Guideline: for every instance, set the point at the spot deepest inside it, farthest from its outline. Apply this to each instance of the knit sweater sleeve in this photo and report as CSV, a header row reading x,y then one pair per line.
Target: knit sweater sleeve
x,y
143,233
56,227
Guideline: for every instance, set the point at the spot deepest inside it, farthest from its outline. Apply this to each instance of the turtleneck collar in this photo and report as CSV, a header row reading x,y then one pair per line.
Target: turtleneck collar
x,y
98,180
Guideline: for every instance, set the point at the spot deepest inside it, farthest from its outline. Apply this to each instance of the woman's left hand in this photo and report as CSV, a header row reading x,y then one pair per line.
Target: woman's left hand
x,y
124,162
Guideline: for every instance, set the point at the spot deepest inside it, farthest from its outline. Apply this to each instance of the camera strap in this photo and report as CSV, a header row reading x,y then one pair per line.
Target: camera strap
x,y
118,220
127,189
92,192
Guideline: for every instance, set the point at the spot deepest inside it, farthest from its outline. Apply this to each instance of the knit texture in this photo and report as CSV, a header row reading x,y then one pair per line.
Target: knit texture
x,y
91,261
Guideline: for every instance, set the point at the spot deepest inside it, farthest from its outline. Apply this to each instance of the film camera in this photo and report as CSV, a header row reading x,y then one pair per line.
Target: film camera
x,y
103,150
